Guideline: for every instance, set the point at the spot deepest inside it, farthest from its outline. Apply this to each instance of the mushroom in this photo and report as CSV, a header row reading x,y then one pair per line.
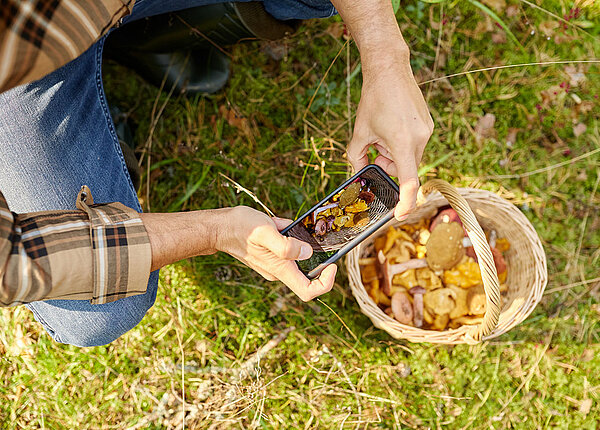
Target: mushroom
x,y
400,252
322,209
493,238
445,216
402,308
369,273
476,300
321,227
361,219
439,302
417,293
460,299
350,194
440,322
444,247
388,271
428,280
466,320
367,196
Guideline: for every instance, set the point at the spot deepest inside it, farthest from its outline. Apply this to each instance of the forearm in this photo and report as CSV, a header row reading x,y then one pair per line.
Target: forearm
x,y
176,236
375,31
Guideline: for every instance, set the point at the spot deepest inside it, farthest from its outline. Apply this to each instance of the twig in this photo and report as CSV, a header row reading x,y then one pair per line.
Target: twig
x,y
574,284
244,369
239,189
544,169
338,317
508,66
437,49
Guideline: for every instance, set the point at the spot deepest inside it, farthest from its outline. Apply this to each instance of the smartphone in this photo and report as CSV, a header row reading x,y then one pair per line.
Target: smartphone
x,y
344,218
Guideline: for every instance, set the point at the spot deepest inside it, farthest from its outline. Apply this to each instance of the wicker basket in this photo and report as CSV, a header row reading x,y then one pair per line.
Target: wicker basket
x,y
526,261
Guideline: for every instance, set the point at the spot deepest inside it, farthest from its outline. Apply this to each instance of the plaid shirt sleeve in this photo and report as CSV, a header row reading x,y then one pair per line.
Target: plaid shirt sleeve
x,y
99,253
39,36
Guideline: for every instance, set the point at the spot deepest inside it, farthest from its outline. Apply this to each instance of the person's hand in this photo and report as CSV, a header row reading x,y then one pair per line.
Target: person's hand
x,y
393,117
254,239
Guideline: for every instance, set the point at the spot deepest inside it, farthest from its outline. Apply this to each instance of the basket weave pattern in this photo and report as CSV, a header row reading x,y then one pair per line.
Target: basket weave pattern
x,y
526,261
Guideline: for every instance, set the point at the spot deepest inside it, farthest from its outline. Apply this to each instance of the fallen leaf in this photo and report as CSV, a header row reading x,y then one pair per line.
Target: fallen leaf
x,y
485,126
237,120
511,137
512,10
579,129
585,405
587,354
499,38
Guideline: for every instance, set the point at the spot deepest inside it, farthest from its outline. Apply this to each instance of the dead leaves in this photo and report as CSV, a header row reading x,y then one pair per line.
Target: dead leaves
x,y
235,119
485,127
579,129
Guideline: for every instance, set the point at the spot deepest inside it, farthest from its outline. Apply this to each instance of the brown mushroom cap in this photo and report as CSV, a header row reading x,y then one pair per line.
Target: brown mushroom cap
x,y
444,247
350,194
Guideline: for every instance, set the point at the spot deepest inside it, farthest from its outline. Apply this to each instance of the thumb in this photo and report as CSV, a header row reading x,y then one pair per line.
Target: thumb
x,y
281,223
409,185
288,248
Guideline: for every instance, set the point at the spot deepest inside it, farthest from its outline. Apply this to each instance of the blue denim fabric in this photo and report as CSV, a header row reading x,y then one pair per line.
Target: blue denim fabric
x,y
56,134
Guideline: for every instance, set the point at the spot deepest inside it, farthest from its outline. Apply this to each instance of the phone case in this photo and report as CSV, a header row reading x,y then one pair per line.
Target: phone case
x,y
384,213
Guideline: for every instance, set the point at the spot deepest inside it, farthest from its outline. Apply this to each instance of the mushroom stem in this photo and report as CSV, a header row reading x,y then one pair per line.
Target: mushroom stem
x,y
323,209
388,270
417,293
493,238
415,263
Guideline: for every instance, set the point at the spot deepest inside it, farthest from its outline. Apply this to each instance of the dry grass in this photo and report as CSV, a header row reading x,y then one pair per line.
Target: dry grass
x,y
183,365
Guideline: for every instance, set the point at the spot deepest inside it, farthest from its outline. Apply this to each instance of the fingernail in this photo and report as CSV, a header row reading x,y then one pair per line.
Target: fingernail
x,y
305,252
402,218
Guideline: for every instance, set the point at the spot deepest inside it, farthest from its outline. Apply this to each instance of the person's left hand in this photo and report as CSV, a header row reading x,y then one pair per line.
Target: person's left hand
x,y
393,117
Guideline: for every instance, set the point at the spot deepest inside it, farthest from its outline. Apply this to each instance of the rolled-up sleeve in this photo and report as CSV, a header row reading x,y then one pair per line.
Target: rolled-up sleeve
x,y
99,252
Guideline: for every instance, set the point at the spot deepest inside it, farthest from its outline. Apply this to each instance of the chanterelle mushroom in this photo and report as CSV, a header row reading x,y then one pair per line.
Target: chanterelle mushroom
x,y
444,247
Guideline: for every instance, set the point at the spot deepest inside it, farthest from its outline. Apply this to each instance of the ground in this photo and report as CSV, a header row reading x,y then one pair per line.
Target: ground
x,y
279,128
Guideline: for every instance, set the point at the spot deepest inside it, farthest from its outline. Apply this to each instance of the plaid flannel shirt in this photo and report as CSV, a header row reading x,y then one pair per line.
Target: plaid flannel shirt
x,y
98,252
39,36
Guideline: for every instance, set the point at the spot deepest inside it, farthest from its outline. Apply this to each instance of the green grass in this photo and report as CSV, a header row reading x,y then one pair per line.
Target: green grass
x,y
541,374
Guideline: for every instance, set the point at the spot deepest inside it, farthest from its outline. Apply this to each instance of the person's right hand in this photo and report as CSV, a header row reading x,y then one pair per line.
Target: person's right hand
x,y
254,239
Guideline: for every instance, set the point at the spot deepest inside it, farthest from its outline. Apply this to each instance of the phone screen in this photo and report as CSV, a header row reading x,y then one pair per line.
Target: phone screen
x,y
356,207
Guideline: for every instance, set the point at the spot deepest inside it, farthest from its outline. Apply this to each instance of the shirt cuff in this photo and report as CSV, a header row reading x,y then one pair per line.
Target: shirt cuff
x,y
121,251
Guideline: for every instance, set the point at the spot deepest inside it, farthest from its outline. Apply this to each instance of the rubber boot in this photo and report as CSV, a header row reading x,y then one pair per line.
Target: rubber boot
x,y
184,49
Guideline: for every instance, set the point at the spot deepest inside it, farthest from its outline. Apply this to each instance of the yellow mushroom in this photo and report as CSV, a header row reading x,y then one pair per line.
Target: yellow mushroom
x,y
440,301
440,322
460,299
476,300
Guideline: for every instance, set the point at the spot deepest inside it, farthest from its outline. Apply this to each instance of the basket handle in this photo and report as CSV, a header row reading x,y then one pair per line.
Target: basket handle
x,y
491,285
